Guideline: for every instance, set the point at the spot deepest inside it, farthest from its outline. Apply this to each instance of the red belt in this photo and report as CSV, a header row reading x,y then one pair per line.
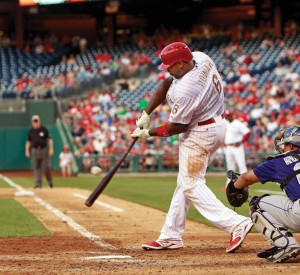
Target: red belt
x,y
209,121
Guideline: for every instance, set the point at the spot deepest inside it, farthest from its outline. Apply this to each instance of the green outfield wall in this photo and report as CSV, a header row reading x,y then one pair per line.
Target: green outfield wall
x,y
12,148
14,126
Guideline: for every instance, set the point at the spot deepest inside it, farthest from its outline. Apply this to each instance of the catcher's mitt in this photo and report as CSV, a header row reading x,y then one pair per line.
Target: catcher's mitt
x,y
236,197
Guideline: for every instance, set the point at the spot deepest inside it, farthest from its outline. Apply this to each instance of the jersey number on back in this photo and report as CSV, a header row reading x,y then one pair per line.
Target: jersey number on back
x,y
217,83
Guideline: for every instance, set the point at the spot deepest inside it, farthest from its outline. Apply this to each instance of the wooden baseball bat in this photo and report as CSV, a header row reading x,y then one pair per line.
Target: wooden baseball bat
x,y
104,182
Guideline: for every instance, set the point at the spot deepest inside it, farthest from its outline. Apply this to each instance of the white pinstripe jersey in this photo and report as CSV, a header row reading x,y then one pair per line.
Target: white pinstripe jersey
x,y
198,95
236,130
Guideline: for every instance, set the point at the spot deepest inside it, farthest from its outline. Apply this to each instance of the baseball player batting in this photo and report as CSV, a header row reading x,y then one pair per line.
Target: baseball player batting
x,y
272,215
195,94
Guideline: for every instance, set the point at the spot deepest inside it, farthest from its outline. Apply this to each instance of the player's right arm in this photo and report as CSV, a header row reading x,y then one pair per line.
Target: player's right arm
x,y
179,120
160,95
156,100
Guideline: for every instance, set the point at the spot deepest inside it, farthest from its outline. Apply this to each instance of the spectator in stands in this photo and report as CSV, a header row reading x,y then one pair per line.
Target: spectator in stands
x,y
272,125
256,113
65,161
267,43
99,144
255,56
292,75
150,160
102,56
83,44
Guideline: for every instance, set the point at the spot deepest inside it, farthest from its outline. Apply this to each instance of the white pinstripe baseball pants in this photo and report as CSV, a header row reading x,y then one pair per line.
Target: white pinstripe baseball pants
x,y
235,158
197,149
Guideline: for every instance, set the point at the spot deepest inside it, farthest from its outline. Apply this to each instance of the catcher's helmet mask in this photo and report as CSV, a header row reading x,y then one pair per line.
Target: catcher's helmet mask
x,y
290,135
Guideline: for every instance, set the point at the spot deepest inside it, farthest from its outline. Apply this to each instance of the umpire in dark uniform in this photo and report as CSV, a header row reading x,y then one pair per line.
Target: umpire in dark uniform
x,y
39,147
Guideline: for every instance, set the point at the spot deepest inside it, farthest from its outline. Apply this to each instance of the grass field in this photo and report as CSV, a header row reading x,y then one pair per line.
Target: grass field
x,y
152,191
16,221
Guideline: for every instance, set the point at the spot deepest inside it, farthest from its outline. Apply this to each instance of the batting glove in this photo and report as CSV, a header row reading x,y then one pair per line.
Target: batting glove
x,y
140,133
143,121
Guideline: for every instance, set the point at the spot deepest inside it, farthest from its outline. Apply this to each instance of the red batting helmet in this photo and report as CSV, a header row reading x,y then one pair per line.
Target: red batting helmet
x,y
174,53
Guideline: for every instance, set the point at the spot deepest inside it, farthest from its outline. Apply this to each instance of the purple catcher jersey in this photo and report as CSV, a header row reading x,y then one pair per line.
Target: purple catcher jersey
x,y
277,169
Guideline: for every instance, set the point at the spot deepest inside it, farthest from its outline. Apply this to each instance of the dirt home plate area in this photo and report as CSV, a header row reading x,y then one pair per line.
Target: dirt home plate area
x,y
106,239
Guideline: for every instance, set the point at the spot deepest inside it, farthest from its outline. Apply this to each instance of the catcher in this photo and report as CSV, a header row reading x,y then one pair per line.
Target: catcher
x,y
274,215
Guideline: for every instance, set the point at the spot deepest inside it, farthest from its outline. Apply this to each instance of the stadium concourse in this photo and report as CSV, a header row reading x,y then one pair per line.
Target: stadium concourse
x,y
109,86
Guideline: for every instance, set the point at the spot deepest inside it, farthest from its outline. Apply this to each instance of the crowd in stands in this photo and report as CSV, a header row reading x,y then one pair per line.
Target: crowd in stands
x,y
271,106
104,133
264,96
264,109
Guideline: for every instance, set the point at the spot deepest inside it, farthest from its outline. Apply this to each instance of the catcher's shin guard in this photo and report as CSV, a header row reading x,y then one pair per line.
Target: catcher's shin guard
x,y
278,237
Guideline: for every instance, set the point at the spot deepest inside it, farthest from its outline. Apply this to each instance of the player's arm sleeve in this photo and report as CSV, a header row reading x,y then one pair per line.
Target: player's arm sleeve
x,y
266,172
182,111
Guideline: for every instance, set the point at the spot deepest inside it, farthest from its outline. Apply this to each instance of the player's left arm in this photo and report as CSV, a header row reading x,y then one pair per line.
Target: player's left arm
x,y
179,120
171,128
166,130
246,179
263,173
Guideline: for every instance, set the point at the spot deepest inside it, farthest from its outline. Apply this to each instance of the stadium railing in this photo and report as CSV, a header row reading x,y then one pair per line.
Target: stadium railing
x,y
157,163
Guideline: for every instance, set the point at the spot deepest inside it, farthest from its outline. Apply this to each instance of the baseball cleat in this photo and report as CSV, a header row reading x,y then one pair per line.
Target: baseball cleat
x,y
268,252
238,235
282,255
162,244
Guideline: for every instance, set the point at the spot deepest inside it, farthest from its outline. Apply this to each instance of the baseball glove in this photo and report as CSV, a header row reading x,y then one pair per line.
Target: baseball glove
x,y
236,197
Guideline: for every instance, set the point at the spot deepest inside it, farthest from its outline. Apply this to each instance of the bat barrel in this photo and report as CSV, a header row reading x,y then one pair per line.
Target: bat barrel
x,y
100,187
88,204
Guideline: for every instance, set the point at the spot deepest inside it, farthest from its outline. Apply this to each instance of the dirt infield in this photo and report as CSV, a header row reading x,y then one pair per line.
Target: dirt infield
x,y
103,239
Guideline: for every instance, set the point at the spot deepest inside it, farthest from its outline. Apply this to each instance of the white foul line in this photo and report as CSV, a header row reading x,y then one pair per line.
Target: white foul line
x,y
108,257
77,227
106,205
12,184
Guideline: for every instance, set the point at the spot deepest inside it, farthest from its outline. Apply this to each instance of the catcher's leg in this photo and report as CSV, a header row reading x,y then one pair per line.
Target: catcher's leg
x,y
281,239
